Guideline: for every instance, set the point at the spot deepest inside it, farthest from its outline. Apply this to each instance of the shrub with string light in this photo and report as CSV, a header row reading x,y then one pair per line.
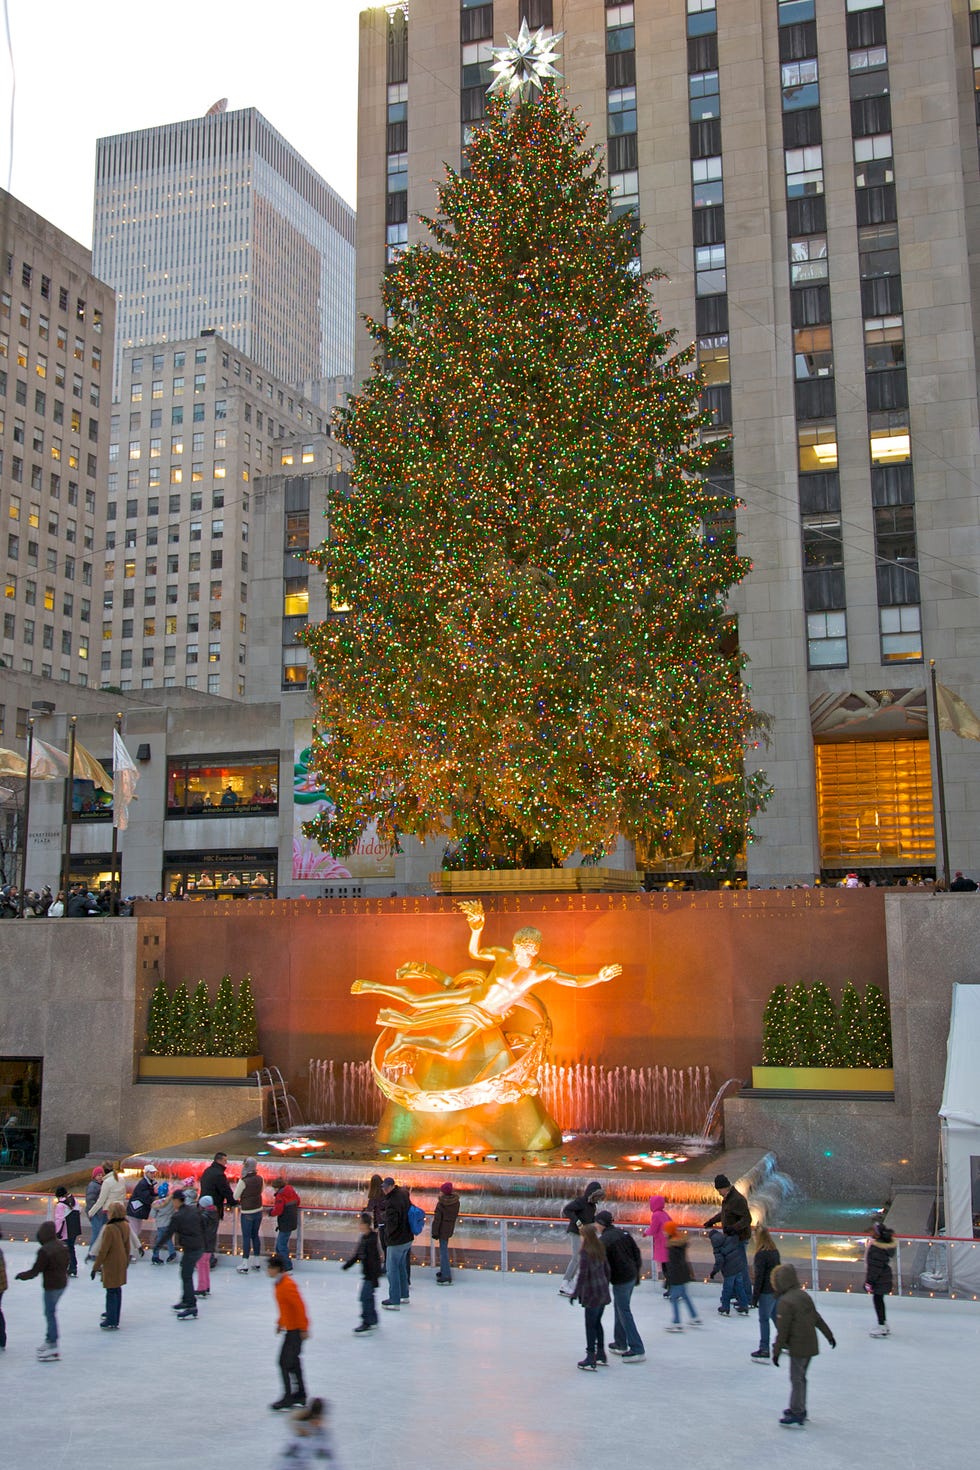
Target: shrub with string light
x,y
158,1022
180,1020
223,1019
534,658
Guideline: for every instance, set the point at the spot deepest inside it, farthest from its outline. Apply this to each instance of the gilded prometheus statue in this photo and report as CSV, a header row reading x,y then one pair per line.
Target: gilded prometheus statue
x,y
450,1053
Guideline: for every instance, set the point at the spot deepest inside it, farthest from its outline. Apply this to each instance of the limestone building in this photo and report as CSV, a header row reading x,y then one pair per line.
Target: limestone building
x,y
806,173
56,324
217,222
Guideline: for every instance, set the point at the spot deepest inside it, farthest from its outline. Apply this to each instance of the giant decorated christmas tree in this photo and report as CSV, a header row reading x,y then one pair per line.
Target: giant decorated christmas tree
x,y
534,659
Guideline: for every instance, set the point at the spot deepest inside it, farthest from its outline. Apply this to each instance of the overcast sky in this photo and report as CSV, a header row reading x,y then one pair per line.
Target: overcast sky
x,y
86,68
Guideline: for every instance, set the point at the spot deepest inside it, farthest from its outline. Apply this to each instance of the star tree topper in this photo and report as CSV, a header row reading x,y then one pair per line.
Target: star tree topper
x,y
525,63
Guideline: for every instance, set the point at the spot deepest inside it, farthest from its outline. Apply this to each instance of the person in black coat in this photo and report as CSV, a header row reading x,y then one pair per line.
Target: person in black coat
x,y
444,1219
730,1260
578,1212
734,1217
187,1229
398,1243
625,1265
214,1181
51,1264
764,1262
368,1252
139,1207
878,1272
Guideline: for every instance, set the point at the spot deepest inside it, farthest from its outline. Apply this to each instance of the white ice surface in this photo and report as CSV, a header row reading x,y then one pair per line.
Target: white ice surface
x,y
479,1375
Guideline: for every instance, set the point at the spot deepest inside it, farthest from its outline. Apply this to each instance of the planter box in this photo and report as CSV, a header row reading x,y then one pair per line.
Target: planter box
x,y
216,1069
824,1079
538,880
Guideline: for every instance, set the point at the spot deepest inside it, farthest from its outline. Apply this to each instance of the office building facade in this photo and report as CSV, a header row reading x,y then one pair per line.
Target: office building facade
x,y
56,326
806,174
217,222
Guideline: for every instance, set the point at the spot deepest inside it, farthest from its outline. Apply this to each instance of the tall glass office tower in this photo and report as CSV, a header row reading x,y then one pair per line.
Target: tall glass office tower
x,y
217,222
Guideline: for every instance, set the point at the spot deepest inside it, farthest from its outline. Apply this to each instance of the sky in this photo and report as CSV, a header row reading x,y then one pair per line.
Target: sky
x,y
87,68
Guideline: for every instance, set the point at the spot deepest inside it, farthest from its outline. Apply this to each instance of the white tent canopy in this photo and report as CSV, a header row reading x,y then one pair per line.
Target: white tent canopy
x,y
960,1123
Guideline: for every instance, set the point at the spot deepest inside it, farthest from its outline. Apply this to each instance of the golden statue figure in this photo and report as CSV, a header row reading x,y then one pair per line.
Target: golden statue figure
x,y
455,1074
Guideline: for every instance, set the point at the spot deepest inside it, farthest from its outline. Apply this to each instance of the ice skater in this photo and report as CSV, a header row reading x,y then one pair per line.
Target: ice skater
x,y
209,1229
96,1218
368,1252
797,1321
678,1276
310,1441
294,1323
592,1290
578,1212
730,1260
659,1220
112,1261
163,1213
878,1273
248,1197
444,1219
764,1262
51,1264
3,1288
67,1224
186,1229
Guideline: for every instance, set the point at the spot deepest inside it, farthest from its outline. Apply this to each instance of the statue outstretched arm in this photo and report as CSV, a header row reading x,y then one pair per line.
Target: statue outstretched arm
x,y
472,908
582,982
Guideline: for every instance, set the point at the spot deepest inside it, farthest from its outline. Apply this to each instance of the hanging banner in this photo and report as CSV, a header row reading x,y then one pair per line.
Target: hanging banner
x,y
310,862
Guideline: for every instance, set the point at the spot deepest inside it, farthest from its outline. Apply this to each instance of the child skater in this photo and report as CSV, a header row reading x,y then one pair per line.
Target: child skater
x,y
294,1324
730,1260
677,1274
797,1320
368,1252
209,1225
592,1290
310,1441
659,1220
878,1273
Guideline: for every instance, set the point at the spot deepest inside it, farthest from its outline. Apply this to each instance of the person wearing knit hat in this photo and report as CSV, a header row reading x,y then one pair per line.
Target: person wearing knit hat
x,y
734,1217
444,1219
97,1219
209,1226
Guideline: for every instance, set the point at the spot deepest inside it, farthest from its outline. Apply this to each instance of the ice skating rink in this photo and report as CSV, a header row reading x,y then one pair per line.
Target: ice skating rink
x,y
473,1376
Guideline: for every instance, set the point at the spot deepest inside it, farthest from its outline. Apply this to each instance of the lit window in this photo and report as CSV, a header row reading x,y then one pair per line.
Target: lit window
x,y
817,446
890,439
901,634
813,352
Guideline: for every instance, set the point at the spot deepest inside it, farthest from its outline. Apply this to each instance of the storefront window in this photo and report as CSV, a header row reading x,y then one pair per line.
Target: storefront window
x,y
89,803
20,1114
245,785
221,875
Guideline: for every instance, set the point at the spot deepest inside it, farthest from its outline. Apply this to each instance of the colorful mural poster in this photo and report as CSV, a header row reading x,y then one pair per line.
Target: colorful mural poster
x,y
310,862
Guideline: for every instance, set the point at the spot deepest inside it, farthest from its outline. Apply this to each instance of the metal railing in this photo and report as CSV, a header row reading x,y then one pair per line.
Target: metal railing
x,y
825,1260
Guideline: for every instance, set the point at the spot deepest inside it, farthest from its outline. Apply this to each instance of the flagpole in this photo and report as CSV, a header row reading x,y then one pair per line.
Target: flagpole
x,y
114,887
940,783
69,795
27,813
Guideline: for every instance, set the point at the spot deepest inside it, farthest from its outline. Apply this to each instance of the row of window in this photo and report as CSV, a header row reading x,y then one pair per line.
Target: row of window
x,y
191,594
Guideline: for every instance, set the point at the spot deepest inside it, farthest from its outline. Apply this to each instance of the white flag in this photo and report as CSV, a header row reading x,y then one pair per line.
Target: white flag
x,y
47,762
124,779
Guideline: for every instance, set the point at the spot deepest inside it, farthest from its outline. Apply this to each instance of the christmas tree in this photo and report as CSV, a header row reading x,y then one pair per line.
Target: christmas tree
x,y
823,1027
246,1025
798,1027
223,1019
775,1032
180,1020
199,1024
158,1022
878,1029
852,1047
535,656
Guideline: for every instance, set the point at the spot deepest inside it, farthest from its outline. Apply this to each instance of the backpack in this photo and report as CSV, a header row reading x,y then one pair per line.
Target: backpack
x,y
416,1219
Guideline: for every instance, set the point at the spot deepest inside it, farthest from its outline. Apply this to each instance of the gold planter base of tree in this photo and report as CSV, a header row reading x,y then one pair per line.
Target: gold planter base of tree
x,y
217,1069
824,1079
538,880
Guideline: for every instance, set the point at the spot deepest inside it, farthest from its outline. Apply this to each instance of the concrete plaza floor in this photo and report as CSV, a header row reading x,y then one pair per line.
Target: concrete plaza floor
x,y
479,1375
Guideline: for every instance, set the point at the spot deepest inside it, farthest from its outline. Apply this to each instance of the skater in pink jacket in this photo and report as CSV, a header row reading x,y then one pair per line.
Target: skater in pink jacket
x,y
659,1218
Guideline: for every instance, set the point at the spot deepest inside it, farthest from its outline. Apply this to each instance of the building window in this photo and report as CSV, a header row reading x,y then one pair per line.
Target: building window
x,y
874,803
238,785
826,640
817,446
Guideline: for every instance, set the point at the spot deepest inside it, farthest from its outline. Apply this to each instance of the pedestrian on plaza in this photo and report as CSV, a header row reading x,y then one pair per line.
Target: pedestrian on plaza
x,y
209,1229
592,1290
399,1237
57,909
625,1267
248,1198
731,1262
310,1441
878,1255
764,1263
51,1264
163,1213
140,1206
734,1217
67,1224
444,1219
96,1218
679,1275
797,1320
3,1288
214,1181
578,1212
294,1323
285,1212
368,1252
186,1228
659,1219
960,884
112,1262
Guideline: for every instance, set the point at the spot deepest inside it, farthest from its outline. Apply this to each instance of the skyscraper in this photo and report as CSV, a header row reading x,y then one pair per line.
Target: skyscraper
x,y
217,222
56,323
806,175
